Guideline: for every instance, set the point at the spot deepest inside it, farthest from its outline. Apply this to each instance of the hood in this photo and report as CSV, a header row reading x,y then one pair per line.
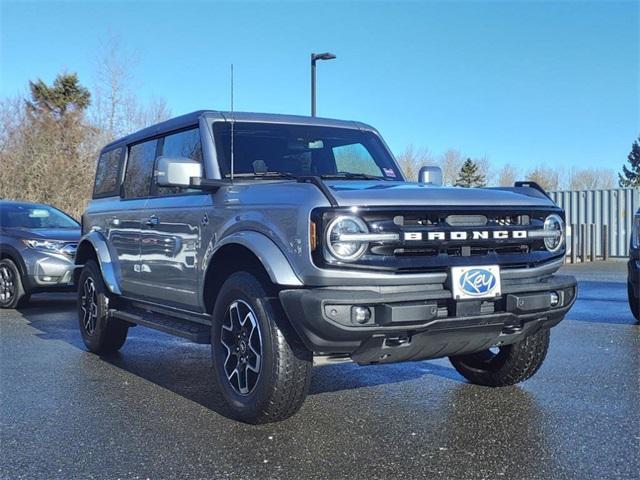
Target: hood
x,y
64,234
383,193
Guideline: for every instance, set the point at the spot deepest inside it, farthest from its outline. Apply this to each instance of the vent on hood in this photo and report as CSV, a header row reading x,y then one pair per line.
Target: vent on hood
x,y
469,220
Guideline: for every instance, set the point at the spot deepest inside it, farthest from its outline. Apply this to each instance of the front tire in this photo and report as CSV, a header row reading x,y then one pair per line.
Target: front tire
x,y
260,366
12,292
634,302
100,333
508,365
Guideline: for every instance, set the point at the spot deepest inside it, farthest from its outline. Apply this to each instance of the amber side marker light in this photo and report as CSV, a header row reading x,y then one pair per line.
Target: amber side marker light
x,y
313,238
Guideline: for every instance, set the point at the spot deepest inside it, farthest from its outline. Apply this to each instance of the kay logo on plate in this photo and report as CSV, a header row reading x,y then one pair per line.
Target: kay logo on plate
x,y
475,282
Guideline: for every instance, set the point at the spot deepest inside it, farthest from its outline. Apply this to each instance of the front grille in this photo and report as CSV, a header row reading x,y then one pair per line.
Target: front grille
x,y
433,240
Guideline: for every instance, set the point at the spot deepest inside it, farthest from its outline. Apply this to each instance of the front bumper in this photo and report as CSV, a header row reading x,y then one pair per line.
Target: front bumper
x,y
422,321
48,271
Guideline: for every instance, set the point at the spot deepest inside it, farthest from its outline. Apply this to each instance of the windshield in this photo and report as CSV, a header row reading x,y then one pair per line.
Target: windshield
x,y
264,148
34,216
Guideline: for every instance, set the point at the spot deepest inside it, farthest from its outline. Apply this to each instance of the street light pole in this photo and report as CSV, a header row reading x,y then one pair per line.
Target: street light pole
x,y
314,58
313,85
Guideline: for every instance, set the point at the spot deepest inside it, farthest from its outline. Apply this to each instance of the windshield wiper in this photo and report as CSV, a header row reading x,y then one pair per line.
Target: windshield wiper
x,y
358,176
267,175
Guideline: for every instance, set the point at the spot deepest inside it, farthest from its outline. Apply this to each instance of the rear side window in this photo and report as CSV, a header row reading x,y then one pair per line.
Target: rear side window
x,y
140,163
184,144
108,173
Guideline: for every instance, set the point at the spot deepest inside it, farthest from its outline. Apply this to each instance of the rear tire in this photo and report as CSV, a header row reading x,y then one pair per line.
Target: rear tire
x,y
260,366
634,302
101,334
510,365
12,292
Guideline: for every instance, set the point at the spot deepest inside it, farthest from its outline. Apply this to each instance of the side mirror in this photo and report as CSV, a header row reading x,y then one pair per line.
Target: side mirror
x,y
177,172
431,176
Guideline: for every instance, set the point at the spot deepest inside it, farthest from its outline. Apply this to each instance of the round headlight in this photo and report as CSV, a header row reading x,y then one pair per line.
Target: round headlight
x,y
554,225
346,251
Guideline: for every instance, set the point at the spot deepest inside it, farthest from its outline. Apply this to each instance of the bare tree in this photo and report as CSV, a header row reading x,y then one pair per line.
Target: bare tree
x,y
450,162
116,110
144,114
484,168
591,179
412,159
112,87
507,175
547,178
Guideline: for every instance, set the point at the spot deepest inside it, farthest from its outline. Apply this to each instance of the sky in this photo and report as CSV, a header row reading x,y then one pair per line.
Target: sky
x,y
526,83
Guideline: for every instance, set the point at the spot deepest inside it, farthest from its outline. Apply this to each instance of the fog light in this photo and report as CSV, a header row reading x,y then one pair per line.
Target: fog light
x,y
361,315
555,299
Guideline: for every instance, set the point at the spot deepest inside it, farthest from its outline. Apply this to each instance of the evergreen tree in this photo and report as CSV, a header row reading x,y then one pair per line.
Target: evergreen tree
x,y
470,176
630,176
64,96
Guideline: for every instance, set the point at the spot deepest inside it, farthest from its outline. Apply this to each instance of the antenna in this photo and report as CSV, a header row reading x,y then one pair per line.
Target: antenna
x,y
232,122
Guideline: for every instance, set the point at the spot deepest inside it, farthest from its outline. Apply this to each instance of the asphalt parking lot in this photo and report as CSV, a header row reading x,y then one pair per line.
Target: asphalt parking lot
x,y
151,411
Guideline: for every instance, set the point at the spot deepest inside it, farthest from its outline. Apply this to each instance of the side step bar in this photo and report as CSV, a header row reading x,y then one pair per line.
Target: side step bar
x,y
196,332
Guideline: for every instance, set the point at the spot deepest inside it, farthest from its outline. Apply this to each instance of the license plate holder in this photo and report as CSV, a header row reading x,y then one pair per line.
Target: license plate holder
x,y
476,282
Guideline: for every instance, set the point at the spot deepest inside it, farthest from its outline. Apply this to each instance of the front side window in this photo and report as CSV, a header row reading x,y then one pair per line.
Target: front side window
x,y
30,216
108,173
263,148
184,144
140,164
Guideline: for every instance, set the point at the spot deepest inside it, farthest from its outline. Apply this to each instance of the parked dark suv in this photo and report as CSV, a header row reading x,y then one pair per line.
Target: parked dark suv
x,y
633,281
275,238
37,249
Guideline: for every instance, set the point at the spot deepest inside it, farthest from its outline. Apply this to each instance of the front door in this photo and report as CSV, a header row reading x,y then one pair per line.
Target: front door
x,y
171,239
170,252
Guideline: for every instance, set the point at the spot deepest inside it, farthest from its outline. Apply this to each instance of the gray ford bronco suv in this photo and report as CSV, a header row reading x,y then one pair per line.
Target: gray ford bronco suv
x,y
275,238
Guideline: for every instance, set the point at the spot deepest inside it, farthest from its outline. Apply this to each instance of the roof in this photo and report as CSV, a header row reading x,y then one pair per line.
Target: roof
x,y
193,118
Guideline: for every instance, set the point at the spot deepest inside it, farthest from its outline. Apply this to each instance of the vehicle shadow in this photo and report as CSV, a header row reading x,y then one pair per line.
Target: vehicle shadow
x,y
349,376
54,315
49,302
185,368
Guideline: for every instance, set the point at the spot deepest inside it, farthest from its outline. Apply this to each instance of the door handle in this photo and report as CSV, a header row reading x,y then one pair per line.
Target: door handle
x,y
152,221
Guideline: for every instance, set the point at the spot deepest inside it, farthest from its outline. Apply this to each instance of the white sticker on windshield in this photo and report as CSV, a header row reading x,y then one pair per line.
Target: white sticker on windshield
x,y
38,213
388,172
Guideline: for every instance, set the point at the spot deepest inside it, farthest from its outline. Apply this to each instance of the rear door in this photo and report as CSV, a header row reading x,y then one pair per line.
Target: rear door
x,y
171,238
125,224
